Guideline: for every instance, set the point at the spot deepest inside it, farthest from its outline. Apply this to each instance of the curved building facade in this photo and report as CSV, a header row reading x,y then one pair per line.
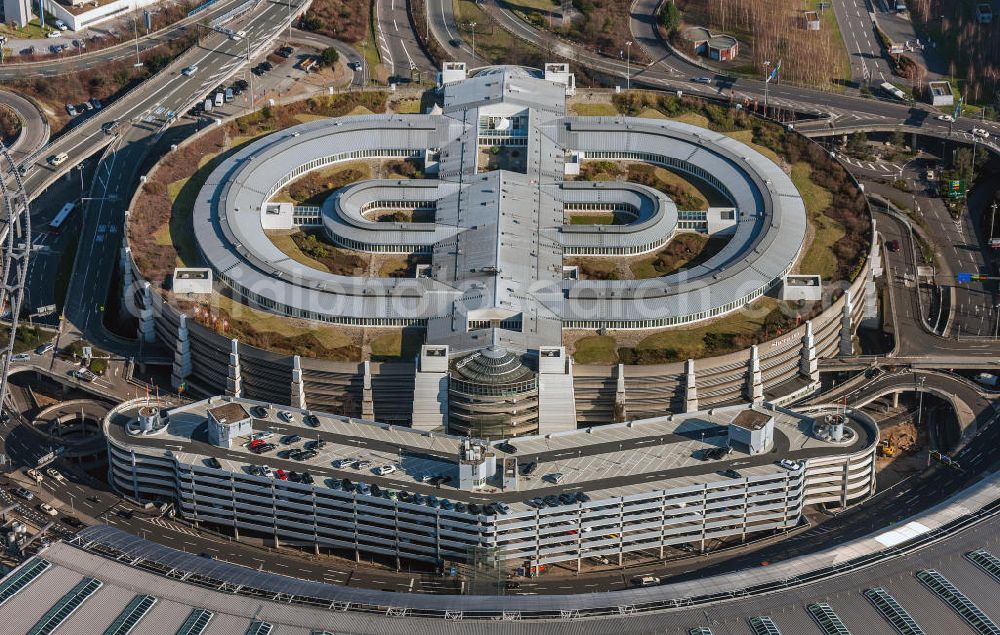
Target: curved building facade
x,y
596,493
492,395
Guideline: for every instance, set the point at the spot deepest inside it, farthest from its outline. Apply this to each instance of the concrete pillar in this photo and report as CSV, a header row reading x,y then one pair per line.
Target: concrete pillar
x,y
367,401
871,298
147,329
755,379
895,400
808,365
234,380
128,279
846,326
182,354
298,398
620,412
690,388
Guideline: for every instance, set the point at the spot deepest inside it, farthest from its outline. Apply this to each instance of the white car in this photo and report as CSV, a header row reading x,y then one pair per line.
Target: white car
x,y
61,25
285,416
384,470
947,118
190,70
979,132
788,464
54,473
702,80
51,34
20,357
48,509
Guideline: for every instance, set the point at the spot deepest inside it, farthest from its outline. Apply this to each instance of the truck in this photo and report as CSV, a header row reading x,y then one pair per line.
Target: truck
x,y
892,91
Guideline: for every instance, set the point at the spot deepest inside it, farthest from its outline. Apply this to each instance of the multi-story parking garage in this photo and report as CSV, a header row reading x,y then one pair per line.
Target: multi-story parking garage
x,y
641,486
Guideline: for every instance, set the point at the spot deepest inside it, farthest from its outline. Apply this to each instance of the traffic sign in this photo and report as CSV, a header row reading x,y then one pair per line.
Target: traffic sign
x,y
964,277
956,188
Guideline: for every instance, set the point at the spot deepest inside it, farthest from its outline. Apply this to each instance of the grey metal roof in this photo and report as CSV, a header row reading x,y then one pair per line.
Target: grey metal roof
x,y
498,237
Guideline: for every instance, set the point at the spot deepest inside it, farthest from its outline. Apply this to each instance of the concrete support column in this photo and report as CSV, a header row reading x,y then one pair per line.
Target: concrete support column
x,y
367,401
871,297
182,354
234,380
147,329
808,364
690,387
755,380
298,399
895,400
847,326
128,279
620,412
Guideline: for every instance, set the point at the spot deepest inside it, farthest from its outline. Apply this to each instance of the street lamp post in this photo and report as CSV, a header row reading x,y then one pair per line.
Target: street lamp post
x,y
472,26
628,65
920,406
767,81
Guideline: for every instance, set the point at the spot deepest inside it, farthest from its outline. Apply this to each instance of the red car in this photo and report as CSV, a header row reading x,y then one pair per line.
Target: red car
x,y
281,474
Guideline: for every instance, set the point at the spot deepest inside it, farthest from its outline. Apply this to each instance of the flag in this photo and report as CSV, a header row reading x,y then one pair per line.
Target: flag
x,y
773,75
958,108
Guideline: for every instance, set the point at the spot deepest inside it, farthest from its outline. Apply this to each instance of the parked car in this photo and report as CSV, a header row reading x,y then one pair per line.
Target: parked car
x,y
71,109
73,522
281,474
285,416
20,357
53,34
213,462
645,580
979,132
788,464
947,118
44,348
60,25
96,103
317,444
306,478
291,439
554,477
507,447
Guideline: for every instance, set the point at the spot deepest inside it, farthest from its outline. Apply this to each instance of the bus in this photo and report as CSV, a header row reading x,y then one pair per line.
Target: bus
x,y
55,225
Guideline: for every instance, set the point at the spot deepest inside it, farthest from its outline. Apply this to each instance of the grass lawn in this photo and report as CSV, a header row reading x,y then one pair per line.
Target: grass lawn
x,y
595,349
329,336
600,218
829,24
695,243
590,266
392,264
689,343
33,30
672,179
397,344
692,118
492,42
746,136
182,194
284,242
819,258
652,113
595,110
545,6
407,106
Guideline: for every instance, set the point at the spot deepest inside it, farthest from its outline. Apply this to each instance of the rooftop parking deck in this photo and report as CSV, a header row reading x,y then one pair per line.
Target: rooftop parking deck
x,y
605,461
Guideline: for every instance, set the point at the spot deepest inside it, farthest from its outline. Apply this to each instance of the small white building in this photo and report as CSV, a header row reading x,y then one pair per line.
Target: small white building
x,y
806,288
940,93
452,72
560,74
188,280
78,16
752,430
226,422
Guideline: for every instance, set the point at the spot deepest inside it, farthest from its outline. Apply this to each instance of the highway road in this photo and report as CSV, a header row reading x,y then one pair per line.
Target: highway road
x,y
397,42
868,63
217,59
76,61
34,125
